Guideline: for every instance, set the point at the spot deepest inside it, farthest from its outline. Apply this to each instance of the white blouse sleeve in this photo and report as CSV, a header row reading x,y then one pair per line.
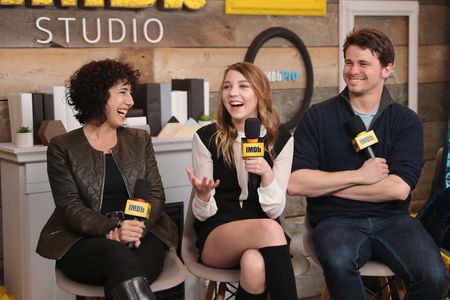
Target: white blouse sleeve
x,y
273,197
202,165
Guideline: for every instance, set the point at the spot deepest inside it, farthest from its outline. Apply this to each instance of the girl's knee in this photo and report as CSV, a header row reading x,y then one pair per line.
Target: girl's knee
x,y
252,271
272,230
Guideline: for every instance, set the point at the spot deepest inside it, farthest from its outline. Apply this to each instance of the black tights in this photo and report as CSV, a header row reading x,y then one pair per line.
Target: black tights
x,y
99,261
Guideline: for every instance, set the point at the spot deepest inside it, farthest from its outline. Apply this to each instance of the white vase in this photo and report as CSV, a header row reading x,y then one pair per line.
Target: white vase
x,y
24,139
203,123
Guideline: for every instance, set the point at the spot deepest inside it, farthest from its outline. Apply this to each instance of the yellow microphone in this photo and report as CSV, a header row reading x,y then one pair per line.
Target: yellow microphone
x,y
251,146
363,139
139,208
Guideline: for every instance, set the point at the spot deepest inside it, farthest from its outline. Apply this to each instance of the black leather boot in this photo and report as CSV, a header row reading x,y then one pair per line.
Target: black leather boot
x,y
136,288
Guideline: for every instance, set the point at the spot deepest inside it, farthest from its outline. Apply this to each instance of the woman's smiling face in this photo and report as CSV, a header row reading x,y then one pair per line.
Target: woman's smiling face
x,y
238,97
118,104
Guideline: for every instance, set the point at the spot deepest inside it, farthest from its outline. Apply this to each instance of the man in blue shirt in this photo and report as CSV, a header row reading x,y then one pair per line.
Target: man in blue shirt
x,y
358,205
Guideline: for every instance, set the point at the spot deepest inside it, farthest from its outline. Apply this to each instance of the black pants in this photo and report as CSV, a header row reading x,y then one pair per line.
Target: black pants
x,y
99,261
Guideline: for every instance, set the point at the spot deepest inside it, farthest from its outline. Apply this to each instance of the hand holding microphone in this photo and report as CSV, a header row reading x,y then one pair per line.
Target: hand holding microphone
x,y
138,209
375,168
253,153
363,140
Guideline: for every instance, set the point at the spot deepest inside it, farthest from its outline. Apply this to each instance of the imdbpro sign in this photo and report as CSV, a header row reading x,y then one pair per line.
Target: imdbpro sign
x,y
166,4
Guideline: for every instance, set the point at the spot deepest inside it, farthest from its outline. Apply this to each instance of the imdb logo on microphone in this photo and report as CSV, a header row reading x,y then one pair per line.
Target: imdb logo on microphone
x,y
137,209
252,149
364,140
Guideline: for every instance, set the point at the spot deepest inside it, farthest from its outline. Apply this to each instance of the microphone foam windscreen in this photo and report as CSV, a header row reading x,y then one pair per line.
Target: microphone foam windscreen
x,y
142,189
252,128
356,125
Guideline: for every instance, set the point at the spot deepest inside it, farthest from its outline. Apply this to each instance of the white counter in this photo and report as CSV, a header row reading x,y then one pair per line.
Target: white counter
x,y
27,203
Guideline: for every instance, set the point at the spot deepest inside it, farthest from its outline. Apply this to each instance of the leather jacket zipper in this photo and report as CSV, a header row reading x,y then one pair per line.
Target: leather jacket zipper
x,y
103,182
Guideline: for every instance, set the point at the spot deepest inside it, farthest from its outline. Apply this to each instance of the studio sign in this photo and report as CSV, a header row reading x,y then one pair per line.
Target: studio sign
x,y
117,29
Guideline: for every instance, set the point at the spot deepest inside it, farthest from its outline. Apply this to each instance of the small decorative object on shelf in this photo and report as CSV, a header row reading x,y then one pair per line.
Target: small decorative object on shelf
x,y
24,137
204,120
48,130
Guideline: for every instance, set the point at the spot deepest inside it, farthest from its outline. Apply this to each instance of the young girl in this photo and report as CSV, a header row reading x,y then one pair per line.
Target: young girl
x,y
237,223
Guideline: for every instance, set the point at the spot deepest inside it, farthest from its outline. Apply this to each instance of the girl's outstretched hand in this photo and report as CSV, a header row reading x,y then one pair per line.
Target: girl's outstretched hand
x,y
202,187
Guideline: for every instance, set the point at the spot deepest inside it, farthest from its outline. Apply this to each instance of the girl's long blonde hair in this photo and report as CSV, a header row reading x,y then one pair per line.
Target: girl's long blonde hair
x,y
267,114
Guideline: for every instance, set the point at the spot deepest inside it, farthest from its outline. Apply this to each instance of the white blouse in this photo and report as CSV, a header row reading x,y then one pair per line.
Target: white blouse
x,y
272,197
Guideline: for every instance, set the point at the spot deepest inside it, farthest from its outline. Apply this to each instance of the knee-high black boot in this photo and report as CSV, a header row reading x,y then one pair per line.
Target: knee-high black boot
x,y
280,278
136,288
244,295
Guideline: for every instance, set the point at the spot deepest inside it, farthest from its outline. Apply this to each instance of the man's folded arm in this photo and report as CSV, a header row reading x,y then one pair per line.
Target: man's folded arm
x,y
316,183
391,188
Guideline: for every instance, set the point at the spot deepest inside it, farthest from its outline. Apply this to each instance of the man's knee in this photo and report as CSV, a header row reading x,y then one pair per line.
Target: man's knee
x,y
434,278
338,262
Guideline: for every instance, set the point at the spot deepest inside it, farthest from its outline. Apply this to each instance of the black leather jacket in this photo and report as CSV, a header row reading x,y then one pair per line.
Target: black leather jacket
x,y
76,172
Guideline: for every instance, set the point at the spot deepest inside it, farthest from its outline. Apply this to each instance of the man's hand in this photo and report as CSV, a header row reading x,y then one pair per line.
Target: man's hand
x,y
373,170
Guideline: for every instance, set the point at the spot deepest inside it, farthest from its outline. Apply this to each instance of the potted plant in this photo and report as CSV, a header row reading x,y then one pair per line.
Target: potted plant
x,y
204,120
24,137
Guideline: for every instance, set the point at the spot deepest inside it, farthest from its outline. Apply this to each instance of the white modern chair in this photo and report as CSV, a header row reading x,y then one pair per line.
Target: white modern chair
x,y
371,268
173,274
219,278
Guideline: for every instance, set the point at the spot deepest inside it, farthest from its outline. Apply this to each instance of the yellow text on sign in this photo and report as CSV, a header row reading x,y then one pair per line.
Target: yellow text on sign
x,y
276,7
168,4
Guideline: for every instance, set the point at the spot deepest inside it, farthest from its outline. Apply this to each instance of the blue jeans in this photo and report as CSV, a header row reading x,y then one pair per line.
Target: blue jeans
x,y
343,245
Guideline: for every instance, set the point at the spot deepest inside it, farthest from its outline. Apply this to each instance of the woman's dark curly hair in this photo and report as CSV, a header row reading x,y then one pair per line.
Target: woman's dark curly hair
x,y
88,87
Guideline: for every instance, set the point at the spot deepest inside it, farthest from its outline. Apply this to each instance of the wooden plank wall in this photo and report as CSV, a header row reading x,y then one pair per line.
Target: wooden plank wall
x,y
202,43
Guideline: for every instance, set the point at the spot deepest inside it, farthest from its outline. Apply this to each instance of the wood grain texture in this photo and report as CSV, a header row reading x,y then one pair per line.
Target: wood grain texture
x,y
434,61
423,187
435,133
434,101
434,23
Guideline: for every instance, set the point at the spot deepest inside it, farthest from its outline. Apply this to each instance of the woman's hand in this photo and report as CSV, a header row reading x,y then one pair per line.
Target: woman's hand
x,y
259,166
130,231
202,187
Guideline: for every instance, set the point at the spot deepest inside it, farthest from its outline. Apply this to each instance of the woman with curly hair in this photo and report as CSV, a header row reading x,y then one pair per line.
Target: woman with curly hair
x,y
236,222
92,172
